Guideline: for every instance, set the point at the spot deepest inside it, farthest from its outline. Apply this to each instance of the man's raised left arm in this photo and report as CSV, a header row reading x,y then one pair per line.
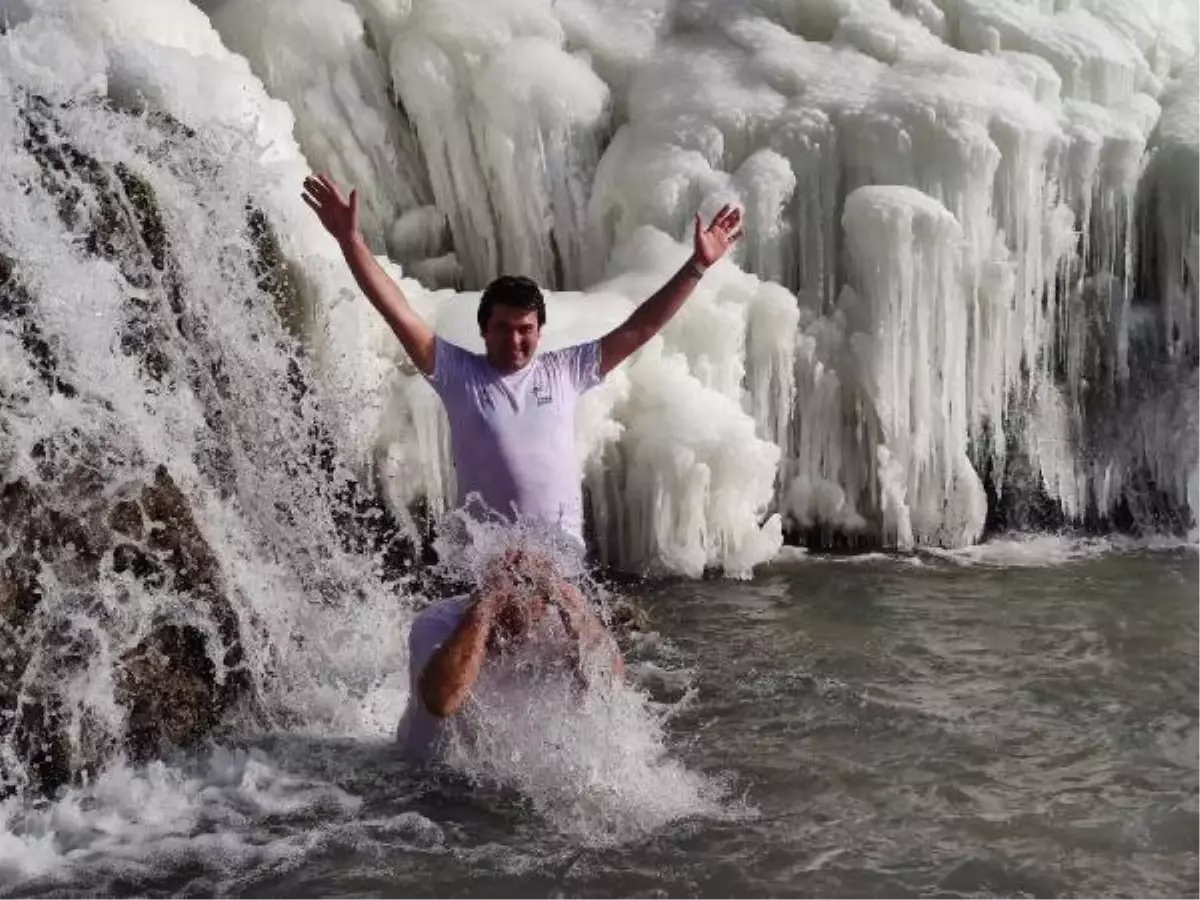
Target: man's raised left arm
x,y
708,245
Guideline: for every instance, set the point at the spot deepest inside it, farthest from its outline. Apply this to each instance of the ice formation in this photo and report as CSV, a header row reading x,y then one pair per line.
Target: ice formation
x,y
1026,125
315,56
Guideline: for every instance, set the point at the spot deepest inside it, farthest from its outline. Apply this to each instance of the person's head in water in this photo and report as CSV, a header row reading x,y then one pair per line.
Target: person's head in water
x,y
526,582
511,315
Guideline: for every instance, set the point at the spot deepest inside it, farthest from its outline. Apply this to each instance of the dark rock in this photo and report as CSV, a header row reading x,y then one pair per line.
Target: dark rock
x,y
131,558
167,682
274,274
627,616
126,518
114,211
180,547
40,739
20,592
167,685
16,303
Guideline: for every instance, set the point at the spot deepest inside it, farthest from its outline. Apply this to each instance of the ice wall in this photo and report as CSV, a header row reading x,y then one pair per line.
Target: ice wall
x,y
1172,225
510,124
906,251
552,133
316,56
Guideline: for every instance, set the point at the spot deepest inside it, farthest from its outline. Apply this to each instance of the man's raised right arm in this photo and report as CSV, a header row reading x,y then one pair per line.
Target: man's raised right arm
x,y
340,218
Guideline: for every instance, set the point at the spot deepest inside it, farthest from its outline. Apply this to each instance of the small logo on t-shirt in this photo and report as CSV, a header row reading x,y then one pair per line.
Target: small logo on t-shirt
x,y
541,393
484,396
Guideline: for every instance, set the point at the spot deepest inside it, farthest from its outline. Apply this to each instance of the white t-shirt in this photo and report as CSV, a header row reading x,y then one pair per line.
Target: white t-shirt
x,y
420,729
513,436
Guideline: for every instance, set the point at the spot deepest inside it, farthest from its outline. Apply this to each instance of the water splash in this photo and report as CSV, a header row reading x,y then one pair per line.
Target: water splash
x,y
592,763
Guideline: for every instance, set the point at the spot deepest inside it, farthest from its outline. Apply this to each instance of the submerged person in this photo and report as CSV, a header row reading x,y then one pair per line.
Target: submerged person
x,y
524,614
511,411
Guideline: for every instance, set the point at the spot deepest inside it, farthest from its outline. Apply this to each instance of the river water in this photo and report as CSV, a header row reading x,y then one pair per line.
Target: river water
x,y
1017,720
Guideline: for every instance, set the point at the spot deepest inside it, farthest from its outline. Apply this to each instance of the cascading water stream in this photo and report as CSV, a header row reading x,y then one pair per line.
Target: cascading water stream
x,y
148,506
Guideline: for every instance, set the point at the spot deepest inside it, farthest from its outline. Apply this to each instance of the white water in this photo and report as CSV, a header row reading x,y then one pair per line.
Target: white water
x,y
593,766
950,212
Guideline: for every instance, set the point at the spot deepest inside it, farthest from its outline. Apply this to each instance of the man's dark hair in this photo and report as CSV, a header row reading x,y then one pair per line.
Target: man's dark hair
x,y
516,291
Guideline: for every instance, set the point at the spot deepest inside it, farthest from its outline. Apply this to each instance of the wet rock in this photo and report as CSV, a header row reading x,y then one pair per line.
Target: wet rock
x,y
274,274
114,211
16,303
126,518
167,683
91,517
40,739
628,616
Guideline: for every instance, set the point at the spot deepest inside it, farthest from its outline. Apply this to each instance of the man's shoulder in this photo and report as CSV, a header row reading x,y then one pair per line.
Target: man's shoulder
x,y
458,363
578,364
440,612
571,355
570,350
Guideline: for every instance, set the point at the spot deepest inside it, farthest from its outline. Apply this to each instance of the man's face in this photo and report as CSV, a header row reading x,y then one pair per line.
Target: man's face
x,y
511,336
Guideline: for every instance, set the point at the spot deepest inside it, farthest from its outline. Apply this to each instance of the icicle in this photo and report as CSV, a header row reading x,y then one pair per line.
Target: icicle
x,y
905,250
314,55
510,126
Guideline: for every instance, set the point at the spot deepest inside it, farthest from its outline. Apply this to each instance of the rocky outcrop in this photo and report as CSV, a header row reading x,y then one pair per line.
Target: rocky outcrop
x,y
118,631
75,535
81,521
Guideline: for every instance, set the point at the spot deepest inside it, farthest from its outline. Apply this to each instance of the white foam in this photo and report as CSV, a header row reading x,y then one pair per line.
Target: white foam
x,y
591,764
1023,551
131,823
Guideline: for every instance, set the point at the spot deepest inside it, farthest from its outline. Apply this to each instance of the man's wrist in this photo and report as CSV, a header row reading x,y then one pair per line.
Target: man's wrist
x,y
695,268
350,241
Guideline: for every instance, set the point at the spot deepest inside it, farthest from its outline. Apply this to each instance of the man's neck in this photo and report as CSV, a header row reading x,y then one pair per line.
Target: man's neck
x,y
505,372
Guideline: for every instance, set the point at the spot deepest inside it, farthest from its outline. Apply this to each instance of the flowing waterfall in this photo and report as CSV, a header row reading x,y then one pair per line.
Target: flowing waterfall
x,y
180,515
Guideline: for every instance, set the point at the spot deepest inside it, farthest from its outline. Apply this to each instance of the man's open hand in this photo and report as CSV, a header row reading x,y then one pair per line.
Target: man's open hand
x,y
713,242
338,215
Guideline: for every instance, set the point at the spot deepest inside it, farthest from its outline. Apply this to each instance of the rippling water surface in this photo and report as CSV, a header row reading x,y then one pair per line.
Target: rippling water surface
x,y
1021,719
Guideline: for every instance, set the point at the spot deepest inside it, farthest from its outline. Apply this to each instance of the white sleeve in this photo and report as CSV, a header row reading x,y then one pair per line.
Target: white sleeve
x,y
450,364
581,364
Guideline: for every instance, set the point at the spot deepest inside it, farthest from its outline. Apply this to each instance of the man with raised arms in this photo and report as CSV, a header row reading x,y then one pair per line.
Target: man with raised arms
x,y
512,411
512,435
